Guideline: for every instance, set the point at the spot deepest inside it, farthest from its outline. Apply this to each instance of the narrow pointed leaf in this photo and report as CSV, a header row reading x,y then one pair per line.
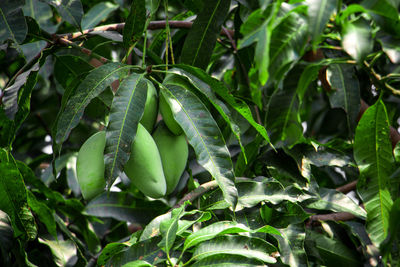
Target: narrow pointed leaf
x,y
70,10
13,198
357,40
204,136
213,230
346,91
44,213
252,248
135,23
200,42
319,12
201,80
169,228
330,199
126,111
97,13
226,260
12,21
373,154
291,245
94,83
42,14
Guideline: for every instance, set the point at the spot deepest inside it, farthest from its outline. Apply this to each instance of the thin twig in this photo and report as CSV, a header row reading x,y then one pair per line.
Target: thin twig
x,y
347,187
84,50
199,191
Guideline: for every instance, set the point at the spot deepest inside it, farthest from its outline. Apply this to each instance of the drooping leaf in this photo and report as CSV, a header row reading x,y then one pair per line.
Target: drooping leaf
x,y
373,155
70,10
226,260
92,86
288,40
123,207
319,12
346,91
62,251
200,42
10,98
204,136
252,248
135,23
126,111
292,245
42,14
109,250
44,213
145,250
13,198
12,21
357,40
97,14
283,117
6,233
330,199
333,252
169,228
390,47
206,82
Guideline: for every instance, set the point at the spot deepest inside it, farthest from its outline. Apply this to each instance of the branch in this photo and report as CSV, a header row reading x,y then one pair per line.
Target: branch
x,y
153,25
347,187
199,191
337,216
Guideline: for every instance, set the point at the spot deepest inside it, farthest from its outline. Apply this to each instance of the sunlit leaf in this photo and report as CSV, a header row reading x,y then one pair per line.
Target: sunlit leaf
x,y
97,14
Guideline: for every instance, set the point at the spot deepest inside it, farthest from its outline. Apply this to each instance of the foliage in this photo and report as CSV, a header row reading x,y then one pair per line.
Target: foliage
x,y
289,108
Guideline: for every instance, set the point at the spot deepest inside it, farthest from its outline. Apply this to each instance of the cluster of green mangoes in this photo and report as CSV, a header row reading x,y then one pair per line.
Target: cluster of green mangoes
x,y
156,162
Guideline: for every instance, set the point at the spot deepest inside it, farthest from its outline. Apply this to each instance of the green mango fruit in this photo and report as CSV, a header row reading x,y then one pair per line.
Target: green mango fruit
x,y
168,117
151,108
90,166
144,167
174,154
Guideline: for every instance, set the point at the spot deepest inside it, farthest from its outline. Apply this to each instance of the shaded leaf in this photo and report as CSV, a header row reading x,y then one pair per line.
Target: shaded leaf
x,y
200,42
252,248
227,261
97,14
204,136
319,12
44,213
13,198
12,21
69,68
373,154
346,91
42,14
6,233
135,23
291,245
62,251
126,111
330,199
95,83
333,252
123,207
70,10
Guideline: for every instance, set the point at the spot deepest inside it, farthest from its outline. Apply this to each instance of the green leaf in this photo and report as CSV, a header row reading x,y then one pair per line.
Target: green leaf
x,y
68,68
108,251
204,136
357,40
97,14
288,40
62,251
13,198
95,83
122,206
319,12
12,21
333,252
206,82
225,260
252,248
330,199
200,41
390,47
346,91
145,250
6,233
283,117
135,23
44,213
169,228
373,154
70,10
205,89
213,230
291,245
126,111
42,14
